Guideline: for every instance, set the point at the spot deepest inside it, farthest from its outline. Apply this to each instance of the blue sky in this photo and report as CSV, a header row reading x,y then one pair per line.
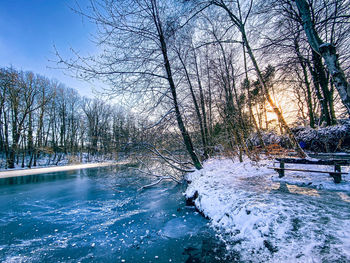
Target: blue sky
x,y
30,28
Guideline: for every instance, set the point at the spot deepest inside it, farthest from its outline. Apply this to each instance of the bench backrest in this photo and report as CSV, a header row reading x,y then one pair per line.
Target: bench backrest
x,y
342,162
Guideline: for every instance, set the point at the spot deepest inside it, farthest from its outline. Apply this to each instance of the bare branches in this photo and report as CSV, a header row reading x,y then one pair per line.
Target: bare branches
x,y
169,159
160,120
153,184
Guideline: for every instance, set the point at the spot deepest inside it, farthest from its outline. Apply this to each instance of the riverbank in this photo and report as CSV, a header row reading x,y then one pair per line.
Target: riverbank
x,y
52,169
262,218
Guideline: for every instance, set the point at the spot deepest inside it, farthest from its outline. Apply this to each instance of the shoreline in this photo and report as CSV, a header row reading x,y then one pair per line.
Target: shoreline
x,y
52,169
257,213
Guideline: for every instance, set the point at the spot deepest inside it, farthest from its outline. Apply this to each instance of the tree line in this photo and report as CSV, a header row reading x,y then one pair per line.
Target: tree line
x,y
217,69
210,72
42,118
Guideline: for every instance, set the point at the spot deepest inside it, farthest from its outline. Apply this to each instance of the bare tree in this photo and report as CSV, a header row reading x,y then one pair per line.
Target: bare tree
x,y
239,19
135,36
327,51
39,117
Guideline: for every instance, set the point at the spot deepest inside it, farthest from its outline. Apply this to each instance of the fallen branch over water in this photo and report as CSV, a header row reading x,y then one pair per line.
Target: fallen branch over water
x,y
154,183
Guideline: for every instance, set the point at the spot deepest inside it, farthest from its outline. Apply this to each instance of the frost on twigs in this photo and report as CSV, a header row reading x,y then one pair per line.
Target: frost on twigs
x,y
159,164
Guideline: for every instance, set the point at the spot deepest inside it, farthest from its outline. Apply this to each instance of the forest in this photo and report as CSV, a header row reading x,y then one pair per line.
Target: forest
x,y
209,131
191,78
43,118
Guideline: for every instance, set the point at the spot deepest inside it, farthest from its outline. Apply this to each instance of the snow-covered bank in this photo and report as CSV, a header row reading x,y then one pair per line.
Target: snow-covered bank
x,y
260,217
24,172
47,160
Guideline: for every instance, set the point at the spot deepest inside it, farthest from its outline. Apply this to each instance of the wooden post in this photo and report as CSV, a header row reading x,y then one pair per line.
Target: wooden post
x,y
337,168
281,171
336,177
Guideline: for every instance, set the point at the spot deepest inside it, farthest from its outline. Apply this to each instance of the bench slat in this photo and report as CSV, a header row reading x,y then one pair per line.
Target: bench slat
x,y
318,162
302,170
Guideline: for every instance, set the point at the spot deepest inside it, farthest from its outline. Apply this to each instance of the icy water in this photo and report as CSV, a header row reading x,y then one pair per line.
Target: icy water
x,y
97,215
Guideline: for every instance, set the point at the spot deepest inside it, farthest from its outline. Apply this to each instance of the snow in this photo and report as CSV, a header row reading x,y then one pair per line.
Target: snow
x,y
46,160
298,218
42,170
325,138
322,139
325,45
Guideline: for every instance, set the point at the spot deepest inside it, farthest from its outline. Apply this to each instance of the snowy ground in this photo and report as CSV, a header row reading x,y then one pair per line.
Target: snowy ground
x,y
262,218
43,170
46,160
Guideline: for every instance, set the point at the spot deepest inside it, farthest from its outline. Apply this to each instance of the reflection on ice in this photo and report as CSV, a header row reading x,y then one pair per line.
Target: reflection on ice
x,y
176,228
344,197
179,227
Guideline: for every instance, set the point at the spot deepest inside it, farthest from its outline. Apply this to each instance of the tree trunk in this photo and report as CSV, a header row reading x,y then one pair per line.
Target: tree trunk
x,y
328,52
30,140
307,84
186,137
196,107
322,82
247,87
204,114
210,117
13,151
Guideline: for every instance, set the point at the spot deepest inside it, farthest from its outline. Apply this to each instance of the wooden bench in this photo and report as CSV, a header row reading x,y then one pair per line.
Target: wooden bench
x,y
337,163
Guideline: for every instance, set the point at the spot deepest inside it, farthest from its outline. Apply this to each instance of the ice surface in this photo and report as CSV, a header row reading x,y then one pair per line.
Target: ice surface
x,y
179,227
81,218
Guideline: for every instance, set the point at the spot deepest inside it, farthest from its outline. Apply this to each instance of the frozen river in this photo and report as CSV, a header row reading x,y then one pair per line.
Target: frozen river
x,y
97,215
